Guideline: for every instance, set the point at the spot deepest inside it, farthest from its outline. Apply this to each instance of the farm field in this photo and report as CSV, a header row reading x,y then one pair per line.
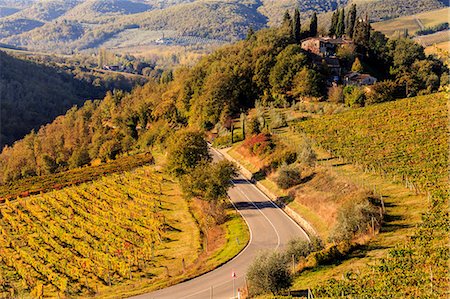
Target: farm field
x,y
411,23
390,139
36,185
438,38
122,234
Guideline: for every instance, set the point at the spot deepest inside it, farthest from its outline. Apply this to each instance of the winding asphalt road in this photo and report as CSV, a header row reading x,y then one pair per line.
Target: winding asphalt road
x,y
270,228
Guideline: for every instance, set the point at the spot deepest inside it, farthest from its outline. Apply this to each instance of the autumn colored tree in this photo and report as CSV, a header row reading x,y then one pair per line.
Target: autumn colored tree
x,y
187,148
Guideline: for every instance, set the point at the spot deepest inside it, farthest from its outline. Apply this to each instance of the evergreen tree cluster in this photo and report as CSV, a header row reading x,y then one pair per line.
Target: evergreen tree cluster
x,y
295,24
350,25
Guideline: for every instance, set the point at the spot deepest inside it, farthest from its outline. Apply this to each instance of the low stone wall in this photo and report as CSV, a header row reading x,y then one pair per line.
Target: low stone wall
x,y
305,225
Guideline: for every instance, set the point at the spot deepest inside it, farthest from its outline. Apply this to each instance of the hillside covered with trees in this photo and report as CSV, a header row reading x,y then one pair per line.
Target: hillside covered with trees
x,y
34,94
269,66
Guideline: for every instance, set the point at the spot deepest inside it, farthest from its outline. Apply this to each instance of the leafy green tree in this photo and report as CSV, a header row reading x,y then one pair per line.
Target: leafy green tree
x,y
308,83
49,164
79,158
340,27
209,181
269,272
296,27
109,150
404,53
290,61
313,25
380,92
361,34
351,20
187,148
166,77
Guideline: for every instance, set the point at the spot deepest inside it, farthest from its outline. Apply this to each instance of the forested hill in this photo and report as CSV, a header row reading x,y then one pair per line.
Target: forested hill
x,y
34,94
269,66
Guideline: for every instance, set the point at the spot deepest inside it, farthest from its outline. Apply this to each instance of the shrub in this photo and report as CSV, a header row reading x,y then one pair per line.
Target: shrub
x,y
384,91
283,156
354,218
259,144
354,96
269,272
332,254
306,155
300,248
254,126
288,177
277,119
335,94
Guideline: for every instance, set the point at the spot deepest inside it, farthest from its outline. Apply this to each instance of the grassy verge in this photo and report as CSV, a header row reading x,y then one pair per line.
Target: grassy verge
x,y
237,237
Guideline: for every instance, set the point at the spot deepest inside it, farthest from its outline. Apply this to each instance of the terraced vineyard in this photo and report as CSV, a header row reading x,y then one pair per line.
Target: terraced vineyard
x,y
74,241
405,140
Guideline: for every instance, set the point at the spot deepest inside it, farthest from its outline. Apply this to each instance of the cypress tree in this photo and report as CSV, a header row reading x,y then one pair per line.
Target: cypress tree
x,y
296,27
313,25
340,28
351,21
334,20
361,35
287,21
250,33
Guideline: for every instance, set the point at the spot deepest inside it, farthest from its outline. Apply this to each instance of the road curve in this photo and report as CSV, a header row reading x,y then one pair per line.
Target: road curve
x,y
270,228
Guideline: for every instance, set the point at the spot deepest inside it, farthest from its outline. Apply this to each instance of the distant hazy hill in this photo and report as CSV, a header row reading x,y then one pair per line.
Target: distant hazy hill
x,y
46,10
67,25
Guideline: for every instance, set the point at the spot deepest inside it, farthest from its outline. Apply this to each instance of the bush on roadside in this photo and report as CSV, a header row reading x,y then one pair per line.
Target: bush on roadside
x,y
282,156
299,247
260,144
288,176
269,272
